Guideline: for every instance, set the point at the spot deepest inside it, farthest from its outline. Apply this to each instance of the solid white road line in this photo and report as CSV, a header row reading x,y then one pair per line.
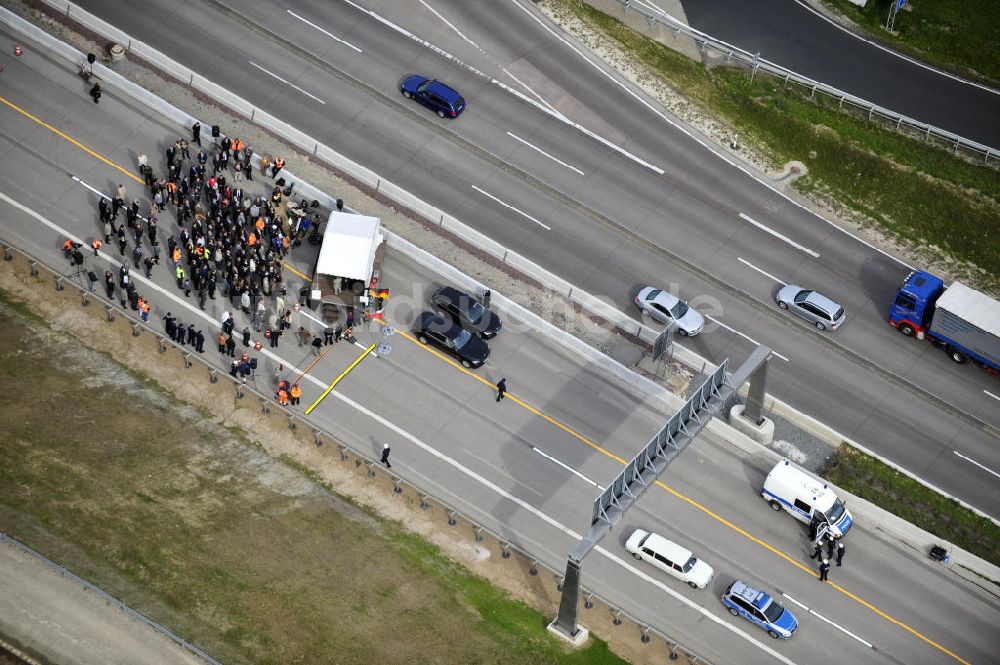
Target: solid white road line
x,y
539,97
288,83
779,236
898,54
568,468
744,336
183,303
823,618
981,466
449,24
554,159
996,397
325,32
762,272
507,205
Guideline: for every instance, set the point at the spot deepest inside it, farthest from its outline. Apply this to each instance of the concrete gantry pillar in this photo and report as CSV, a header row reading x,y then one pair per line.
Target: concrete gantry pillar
x,y
749,419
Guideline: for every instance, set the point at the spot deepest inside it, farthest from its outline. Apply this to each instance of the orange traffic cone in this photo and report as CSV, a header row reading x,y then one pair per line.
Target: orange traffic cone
x,y
17,49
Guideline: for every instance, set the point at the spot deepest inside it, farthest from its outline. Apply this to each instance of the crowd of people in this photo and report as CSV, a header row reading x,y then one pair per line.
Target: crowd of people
x,y
228,241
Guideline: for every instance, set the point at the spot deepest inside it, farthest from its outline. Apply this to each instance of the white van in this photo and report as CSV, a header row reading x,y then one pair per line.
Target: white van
x,y
670,557
804,497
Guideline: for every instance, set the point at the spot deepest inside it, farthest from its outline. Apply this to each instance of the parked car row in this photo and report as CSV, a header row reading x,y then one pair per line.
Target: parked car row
x,y
459,327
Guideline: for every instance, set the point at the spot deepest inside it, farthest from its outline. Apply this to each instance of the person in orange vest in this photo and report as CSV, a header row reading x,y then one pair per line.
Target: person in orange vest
x,y
144,309
96,244
279,163
68,248
176,256
296,393
282,397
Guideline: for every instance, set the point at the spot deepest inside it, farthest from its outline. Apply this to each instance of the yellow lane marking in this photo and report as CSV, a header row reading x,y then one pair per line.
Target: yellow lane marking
x,y
525,405
692,502
292,269
73,141
339,378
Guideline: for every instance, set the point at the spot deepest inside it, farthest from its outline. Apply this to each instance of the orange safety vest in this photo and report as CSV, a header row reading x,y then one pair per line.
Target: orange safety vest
x,y
285,242
296,391
237,145
259,223
144,306
282,397
171,186
96,244
177,255
280,163
252,240
68,245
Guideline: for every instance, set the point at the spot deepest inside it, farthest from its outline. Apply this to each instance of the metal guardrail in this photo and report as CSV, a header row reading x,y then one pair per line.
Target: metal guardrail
x,y
346,451
734,54
184,644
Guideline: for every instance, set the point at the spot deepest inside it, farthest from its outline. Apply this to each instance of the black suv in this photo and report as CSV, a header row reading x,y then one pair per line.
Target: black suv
x,y
466,311
469,349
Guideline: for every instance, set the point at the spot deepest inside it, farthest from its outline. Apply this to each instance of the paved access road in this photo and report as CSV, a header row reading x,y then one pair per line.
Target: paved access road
x,y
789,33
658,207
451,438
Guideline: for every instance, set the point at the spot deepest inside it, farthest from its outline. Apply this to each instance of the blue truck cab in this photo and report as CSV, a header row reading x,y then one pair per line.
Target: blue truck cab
x,y
960,320
914,303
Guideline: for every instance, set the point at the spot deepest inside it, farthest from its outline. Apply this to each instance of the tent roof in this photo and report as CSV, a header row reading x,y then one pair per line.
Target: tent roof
x,y
349,244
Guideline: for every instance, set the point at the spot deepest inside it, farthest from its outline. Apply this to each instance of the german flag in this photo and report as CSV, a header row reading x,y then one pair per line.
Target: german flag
x,y
380,293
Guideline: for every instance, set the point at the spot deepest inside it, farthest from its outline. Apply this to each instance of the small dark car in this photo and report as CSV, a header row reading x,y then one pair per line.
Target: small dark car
x,y
469,349
435,95
466,311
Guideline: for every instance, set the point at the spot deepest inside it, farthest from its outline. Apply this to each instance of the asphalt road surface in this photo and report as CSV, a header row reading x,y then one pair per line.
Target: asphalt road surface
x,y
451,437
790,34
656,207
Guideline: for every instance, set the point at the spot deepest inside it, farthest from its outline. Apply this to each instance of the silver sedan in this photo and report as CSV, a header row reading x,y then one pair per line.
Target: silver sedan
x,y
812,306
668,308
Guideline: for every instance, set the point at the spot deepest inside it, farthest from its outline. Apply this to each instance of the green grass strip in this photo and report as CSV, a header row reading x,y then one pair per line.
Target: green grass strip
x,y
957,35
870,479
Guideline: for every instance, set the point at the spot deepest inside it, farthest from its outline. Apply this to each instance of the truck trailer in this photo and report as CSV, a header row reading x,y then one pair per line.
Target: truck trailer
x,y
960,320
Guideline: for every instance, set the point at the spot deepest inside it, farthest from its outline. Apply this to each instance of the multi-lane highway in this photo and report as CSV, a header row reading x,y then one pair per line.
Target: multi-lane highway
x,y
645,203
895,605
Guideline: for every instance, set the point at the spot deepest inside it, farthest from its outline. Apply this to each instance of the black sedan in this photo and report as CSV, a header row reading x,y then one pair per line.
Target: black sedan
x,y
466,311
469,349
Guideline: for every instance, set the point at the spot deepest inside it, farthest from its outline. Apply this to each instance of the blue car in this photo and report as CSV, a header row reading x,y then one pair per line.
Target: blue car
x,y
745,601
435,95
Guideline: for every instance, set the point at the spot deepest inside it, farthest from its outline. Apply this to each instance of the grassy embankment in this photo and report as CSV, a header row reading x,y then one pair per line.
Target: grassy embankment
x,y
911,191
866,477
940,206
956,35
244,555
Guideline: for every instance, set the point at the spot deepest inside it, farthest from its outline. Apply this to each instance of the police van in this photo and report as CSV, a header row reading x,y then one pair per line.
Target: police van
x,y
804,497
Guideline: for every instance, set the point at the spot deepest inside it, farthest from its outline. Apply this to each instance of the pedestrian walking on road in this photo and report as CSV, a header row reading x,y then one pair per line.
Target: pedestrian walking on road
x,y
95,93
841,551
824,570
501,388
304,336
222,342
295,393
385,455
317,344
830,544
246,336
199,341
196,133
109,284
817,550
